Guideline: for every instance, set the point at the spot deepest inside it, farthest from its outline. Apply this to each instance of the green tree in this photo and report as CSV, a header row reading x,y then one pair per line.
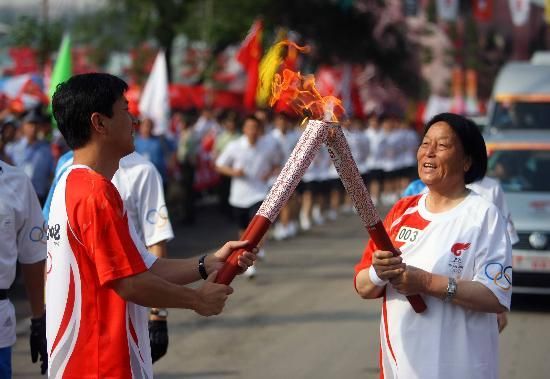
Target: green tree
x,y
31,32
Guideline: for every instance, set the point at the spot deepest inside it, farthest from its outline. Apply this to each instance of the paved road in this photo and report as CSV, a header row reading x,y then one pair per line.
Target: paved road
x,y
301,318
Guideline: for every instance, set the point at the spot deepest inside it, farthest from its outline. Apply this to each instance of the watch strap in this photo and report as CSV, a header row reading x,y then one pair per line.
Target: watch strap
x,y
202,267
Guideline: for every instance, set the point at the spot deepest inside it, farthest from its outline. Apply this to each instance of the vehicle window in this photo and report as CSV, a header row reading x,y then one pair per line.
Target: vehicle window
x,y
521,170
521,115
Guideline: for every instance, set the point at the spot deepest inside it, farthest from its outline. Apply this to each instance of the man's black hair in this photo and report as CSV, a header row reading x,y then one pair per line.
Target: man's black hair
x,y
75,100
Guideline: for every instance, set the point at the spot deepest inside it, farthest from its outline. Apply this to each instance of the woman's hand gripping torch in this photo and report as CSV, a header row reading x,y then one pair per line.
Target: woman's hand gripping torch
x,y
349,174
300,159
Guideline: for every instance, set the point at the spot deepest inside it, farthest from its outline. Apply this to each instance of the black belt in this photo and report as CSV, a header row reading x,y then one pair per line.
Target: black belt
x,y
3,294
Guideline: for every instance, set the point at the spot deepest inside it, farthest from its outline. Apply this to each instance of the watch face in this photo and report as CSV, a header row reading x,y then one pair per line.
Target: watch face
x,y
160,312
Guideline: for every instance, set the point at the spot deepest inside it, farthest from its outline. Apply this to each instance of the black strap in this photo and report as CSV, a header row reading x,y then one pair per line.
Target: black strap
x,y
202,268
3,294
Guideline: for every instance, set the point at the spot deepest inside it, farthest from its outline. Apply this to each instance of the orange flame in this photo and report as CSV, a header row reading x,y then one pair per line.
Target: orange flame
x,y
300,93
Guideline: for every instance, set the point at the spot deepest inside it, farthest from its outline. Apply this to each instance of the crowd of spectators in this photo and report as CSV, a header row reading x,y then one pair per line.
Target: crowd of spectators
x,y
383,146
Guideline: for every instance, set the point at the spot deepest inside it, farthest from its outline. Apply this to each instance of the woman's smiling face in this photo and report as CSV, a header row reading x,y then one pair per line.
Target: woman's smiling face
x,y
441,158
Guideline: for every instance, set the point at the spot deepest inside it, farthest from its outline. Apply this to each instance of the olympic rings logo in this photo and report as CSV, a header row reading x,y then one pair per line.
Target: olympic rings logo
x,y
500,275
159,217
39,234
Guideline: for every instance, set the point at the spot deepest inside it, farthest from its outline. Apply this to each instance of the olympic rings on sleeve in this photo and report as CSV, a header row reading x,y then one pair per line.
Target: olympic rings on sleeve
x,y
500,275
39,234
159,217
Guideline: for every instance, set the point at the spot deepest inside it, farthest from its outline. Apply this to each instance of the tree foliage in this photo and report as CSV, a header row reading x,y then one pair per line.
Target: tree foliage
x,y
352,34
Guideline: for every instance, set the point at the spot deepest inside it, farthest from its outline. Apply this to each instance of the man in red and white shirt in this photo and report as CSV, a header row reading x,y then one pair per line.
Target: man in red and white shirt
x,y
97,271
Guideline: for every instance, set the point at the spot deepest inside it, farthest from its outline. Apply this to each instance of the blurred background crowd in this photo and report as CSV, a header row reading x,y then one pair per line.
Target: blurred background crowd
x,y
193,71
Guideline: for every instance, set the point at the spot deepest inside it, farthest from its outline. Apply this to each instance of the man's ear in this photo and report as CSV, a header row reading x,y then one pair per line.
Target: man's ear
x,y
97,123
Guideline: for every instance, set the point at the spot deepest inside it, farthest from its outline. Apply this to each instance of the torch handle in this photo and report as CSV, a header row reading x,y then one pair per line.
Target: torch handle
x,y
254,233
381,239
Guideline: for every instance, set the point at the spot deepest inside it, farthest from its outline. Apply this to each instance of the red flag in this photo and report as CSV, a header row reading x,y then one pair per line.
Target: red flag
x,y
249,56
483,9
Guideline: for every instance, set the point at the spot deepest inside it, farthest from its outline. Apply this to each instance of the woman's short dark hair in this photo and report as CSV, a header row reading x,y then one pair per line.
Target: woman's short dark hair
x,y
75,100
472,142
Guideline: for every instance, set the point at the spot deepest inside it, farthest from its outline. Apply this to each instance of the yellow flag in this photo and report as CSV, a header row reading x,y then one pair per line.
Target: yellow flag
x,y
269,66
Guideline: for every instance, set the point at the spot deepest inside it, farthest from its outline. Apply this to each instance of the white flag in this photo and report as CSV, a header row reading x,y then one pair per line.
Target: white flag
x,y
519,10
154,101
447,9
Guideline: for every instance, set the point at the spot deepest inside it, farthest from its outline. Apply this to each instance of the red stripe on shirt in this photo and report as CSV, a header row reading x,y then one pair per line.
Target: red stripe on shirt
x,y
69,306
386,327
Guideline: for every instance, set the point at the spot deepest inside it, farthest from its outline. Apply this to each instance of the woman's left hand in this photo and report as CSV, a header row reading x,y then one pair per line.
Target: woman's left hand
x,y
411,282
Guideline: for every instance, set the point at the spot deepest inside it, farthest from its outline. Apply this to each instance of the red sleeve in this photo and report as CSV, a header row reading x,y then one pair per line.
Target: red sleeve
x,y
395,212
102,226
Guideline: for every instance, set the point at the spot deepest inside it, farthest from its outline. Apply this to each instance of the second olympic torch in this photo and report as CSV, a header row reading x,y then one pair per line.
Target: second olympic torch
x,y
316,133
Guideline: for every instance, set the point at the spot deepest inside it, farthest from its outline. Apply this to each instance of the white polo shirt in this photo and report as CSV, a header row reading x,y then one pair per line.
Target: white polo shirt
x,y
22,237
140,186
287,141
256,161
318,169
491,190
447,341
376,139
359,147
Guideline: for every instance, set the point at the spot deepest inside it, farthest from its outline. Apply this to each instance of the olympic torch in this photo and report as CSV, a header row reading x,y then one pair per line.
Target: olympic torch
x,y
300,92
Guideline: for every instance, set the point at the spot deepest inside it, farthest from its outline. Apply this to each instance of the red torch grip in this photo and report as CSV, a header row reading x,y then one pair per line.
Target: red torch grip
x,y
254,233
378,234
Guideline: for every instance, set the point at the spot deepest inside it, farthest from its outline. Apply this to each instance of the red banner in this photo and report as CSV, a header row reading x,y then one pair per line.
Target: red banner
x,y
483,9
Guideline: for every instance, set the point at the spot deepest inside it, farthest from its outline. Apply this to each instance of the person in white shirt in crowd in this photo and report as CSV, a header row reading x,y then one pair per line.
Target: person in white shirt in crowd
x,y
251,162
22,239
186,153
264,117
391,146
375,177
230,133
359,146
407,157
335,192
206,123
287,137
314,188
454,252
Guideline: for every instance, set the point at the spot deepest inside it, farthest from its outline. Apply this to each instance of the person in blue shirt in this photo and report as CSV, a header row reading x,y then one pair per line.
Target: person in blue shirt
x,y
34,155
64,162
151,147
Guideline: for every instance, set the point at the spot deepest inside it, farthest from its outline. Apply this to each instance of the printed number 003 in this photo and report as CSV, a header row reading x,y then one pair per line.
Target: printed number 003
x,y
407,235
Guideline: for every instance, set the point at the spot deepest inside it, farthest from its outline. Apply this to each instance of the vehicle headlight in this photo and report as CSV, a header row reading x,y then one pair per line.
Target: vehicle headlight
x,y
538,240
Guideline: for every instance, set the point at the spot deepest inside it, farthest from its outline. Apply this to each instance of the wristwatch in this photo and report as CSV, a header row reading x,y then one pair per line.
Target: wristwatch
x,y
160,312
451,290
202,267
